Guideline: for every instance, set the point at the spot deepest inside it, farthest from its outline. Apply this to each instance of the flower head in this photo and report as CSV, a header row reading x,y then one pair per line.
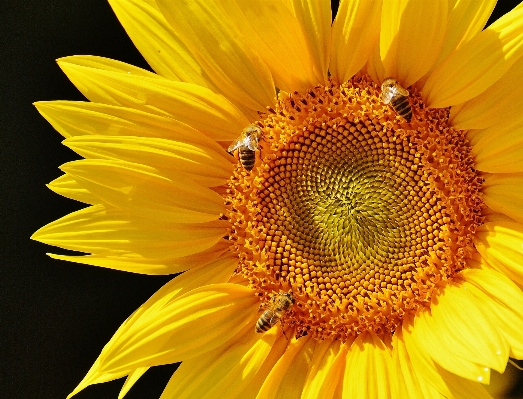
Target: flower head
x,y
363,236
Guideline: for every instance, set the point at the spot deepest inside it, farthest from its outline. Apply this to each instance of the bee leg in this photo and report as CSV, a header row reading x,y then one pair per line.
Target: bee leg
x,y
283,330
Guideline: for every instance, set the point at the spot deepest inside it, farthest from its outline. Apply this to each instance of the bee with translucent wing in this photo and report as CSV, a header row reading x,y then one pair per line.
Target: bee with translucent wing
x,y
247,145
392,93
278,306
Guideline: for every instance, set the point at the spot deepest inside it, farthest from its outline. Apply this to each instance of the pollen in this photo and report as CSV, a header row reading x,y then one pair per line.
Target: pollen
x,y
363,216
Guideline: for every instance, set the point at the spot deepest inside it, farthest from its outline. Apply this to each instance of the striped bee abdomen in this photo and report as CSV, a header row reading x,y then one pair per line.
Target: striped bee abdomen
x,y
392,93
266,321
402,106
247,158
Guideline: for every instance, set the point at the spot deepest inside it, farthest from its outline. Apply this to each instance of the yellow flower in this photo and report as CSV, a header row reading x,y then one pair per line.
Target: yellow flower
x,y
377,241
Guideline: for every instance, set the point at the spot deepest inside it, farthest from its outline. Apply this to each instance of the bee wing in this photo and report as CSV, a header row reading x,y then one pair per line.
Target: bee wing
x,y
235,145
390,89
387,94
274,318
252,143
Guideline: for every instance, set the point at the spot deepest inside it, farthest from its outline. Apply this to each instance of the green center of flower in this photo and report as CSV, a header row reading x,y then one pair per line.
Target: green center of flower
x,y
362,215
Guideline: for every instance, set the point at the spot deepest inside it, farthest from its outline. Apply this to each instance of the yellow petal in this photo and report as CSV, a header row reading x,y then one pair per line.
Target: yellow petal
x,y
374,66
114,232
155,39
203,165
75,118
504,301
407,382
223,372
143,265
143,191
325,371
287,377
445,382
170,291
500,104
355,33
482,60
230,63
131,380
188,103
368,369
204,275
161,47
166,334
499,149
412,34
503,193
271,28
68,187
466,19
162,331
278,349
107,64
460,337
315,18
444,356
500,243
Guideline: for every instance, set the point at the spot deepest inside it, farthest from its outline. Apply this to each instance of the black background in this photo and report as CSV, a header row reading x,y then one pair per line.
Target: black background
x,y
57,316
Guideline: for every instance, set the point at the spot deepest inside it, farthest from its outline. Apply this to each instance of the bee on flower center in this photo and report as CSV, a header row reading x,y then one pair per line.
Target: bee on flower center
x,y
247,145
278,306
392,93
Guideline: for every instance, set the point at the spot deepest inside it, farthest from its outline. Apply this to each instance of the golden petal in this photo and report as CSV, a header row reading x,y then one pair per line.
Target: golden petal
x,y
188,103
108,231
326,370
500,104
484,59
502,192
287,377
232,65
458,327
144,191
466,19
498,149
445,382
203,165
216,374
131,380
162,330
107,64
374,66
77,118
504,301
277,351
156,40
276,34
68,187
315,18
412,34
213,256
355,33
368,370
406,381
500,243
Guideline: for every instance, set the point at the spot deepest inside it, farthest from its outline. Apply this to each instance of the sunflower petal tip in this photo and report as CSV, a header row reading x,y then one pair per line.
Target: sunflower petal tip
x,y
36,236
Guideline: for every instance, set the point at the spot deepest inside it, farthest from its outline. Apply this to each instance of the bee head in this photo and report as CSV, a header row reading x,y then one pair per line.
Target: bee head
x,y
289,296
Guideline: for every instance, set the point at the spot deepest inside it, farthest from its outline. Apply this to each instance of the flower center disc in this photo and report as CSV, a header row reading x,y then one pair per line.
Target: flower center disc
x,y
363,216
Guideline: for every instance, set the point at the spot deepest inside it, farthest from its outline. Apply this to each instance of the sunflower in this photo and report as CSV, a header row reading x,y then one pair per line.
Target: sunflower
x,y
368,221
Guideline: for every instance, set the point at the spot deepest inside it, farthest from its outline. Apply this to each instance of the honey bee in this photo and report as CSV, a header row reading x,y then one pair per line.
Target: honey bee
x,y
247,145
397,96
278,306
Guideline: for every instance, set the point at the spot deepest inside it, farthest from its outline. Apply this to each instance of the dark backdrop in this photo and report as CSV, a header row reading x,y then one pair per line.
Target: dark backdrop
x,y
56,316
